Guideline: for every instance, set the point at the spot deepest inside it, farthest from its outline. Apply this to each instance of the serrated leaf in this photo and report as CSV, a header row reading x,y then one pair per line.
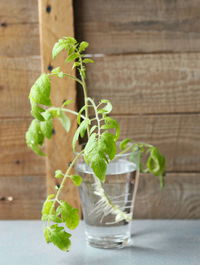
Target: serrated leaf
x,y
97,152
40,91
59,174
83,45
88,61
69,215
77,180
65,121
110,123
58,237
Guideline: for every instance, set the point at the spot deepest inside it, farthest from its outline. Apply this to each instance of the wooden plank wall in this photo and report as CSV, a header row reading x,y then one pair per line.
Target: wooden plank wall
x,y
54,24
148,65
22,174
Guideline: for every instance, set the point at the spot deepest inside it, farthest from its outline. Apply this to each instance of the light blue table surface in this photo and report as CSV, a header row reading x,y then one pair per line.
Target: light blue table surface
x,y
157,242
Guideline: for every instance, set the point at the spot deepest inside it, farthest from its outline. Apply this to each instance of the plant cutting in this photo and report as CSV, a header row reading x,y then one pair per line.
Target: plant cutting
x,y
99,160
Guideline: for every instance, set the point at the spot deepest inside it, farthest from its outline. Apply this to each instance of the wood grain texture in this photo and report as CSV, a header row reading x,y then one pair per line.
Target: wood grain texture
x,y
18,11
19,30
15,157
21,197
177,136
158,83
16,78
178,200
117,26
19,40
54,25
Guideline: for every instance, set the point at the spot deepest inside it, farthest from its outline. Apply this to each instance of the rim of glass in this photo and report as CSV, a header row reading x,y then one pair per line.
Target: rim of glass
x,y
118,154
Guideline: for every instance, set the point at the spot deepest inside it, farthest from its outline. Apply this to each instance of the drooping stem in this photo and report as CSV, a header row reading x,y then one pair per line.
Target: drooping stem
x,y
64,180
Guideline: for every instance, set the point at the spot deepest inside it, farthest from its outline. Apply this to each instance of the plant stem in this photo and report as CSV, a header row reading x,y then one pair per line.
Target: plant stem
x,y
97,116
64,180
71,76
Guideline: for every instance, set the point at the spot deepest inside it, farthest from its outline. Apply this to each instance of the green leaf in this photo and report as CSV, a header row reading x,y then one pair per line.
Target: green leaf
x,y
79,114
36,111
40,91
76,64
108,144
47,207
65,121
156,164
69,215
111,124
93,129
77,180
56,70
123,144
67,102
83,45
59,46
82,128
35,137
88,61
107,108
72,57
97,152
58,237
59,174
47,128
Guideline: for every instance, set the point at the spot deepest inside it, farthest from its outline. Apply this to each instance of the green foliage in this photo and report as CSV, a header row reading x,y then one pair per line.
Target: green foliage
x,y
35,137
64,120
110,123
102,134
68,214
98,151
123,144
57,235
76,179
156,164
59,174
40,91
107,108
80,131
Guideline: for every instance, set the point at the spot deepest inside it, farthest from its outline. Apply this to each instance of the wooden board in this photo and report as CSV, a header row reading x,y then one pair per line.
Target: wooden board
x,y
178,137
21,197
16,78
179,199
19,39
56,22
127,26
16,159
18,11
158,83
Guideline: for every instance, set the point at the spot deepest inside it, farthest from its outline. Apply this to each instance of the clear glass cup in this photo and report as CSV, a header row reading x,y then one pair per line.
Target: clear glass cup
x,y
121,186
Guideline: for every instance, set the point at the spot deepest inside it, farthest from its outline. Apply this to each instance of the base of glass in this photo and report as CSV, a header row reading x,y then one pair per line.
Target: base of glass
x,y
108,241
